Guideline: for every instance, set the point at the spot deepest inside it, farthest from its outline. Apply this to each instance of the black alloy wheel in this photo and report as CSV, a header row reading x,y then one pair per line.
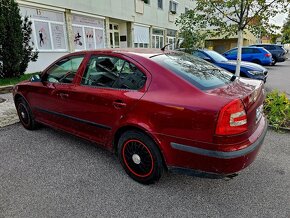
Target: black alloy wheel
x,y
25,114
140,157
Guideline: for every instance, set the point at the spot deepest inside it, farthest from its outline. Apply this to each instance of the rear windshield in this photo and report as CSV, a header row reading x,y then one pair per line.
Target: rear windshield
x,y
198,72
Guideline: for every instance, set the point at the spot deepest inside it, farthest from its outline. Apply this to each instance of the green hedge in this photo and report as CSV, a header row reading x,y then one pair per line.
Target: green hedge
x,y
277,109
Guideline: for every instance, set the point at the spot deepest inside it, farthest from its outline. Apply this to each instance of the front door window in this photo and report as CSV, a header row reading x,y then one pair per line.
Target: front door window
x,y
64,71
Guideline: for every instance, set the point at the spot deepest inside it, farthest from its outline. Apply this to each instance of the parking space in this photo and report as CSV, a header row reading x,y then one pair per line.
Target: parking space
x,y
279,77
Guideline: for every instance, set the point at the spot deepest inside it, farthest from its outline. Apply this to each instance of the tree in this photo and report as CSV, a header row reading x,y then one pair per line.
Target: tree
x,y
11,39
286,30
28,53
15,49
231,17
192,39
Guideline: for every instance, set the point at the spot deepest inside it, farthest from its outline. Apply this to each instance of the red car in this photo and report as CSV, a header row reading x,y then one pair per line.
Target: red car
x,y
156,110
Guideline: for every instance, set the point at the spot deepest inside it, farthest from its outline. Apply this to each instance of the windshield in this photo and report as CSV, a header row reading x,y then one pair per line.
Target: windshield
x,y
216,56
198,72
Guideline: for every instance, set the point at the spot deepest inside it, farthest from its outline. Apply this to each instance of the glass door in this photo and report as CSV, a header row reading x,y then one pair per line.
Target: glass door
x,y
114,35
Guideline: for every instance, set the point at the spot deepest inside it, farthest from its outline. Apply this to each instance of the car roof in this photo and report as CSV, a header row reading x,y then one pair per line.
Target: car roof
x,y
143,52
262,44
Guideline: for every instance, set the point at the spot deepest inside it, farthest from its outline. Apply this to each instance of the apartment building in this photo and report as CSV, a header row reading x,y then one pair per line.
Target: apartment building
x,y
60,27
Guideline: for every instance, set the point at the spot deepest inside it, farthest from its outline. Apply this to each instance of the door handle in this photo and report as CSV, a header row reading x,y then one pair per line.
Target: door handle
x,y
63,95
118,104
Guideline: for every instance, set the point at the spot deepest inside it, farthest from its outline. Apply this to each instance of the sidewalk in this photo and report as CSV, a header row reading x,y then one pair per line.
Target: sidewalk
x,y
8,114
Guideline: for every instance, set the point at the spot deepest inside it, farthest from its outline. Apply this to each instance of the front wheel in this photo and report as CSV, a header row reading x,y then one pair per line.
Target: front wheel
x,y
140,157
25,114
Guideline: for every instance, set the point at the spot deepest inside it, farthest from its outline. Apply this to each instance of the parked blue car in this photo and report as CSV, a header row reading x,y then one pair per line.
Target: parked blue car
x,y
256,55
249,70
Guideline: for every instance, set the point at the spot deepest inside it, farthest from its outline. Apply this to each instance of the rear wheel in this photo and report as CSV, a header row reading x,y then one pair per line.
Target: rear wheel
x,y
274,61
140,157
25,114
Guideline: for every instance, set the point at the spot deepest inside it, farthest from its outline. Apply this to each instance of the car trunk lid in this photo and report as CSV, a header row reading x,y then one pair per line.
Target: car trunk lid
x,y
251,93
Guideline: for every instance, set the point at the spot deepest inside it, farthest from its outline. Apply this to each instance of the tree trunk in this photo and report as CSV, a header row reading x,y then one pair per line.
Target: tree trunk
x,y
239,55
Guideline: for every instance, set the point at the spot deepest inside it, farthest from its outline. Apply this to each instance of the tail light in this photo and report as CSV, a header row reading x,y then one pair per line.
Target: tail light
x,y
232,119
268,55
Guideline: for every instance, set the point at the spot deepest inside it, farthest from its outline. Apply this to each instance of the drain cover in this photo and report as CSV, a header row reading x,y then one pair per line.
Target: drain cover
x,y
2,100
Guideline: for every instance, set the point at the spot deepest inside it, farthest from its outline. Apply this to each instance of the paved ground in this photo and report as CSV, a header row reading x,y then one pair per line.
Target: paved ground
x,y
8,114
46,173
279,77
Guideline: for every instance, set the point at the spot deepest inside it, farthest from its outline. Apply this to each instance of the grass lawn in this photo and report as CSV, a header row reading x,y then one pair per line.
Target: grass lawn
x,y
15,80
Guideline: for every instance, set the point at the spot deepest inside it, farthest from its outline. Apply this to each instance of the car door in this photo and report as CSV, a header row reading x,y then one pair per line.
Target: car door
x,y
231,55
247,54
50,97
110,86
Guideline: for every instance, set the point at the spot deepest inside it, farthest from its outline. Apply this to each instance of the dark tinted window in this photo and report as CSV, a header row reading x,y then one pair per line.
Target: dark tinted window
x,y
269,47
104,71
232,52
216,56
255,50
250,50
199,54
195,70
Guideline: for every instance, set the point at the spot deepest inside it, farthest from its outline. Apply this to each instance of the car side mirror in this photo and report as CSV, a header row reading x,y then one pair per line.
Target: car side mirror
x,y
35,78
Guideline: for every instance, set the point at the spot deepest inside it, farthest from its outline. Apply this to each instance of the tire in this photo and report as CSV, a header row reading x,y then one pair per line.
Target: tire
x,y
140,157
25,115
274,61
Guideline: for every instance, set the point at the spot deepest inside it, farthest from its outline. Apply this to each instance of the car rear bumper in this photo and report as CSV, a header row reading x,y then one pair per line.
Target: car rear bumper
x,y
267,61
218,161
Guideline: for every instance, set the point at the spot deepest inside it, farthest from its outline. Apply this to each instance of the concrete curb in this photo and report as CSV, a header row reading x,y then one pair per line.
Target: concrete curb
x,y
6,89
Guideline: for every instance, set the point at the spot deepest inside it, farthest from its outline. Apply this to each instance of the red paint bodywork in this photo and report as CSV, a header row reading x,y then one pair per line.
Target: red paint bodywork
x,y
167,108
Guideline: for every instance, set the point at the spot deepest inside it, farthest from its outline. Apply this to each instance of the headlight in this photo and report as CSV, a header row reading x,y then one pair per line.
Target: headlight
x,y
255,73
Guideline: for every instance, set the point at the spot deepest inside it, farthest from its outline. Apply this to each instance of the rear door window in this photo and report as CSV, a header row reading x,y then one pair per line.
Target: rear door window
x,y
196,71
113,72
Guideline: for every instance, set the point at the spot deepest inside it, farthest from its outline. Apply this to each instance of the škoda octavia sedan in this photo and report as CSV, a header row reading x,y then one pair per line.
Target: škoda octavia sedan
x,y
156,110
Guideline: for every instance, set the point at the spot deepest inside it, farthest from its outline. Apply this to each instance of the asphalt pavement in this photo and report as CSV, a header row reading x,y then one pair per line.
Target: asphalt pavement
x,y
279,77
47,173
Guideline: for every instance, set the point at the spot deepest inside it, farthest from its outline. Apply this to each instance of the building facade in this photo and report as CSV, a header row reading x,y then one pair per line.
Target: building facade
x,y
61,27
222,44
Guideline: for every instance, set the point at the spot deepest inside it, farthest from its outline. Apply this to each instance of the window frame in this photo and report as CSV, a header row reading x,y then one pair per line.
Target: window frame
x,y
158,4
173,3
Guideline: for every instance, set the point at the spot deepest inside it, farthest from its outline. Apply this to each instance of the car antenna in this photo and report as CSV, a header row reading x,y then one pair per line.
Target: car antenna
x,y
163,48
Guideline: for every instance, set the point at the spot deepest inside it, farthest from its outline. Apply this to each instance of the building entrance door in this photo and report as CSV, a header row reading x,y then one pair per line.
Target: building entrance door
x,y
114,35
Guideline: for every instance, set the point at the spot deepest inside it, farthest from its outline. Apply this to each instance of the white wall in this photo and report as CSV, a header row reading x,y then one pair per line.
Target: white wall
x,y
121,9
43,61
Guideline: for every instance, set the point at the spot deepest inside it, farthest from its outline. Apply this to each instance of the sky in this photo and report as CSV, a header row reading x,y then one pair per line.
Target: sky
x,y
279,19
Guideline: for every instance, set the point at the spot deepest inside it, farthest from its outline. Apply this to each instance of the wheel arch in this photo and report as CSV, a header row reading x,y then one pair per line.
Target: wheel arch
x,y
129,127
19,96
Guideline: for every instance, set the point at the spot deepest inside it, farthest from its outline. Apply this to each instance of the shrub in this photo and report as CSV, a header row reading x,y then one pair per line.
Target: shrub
x,y
277,109
15,48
